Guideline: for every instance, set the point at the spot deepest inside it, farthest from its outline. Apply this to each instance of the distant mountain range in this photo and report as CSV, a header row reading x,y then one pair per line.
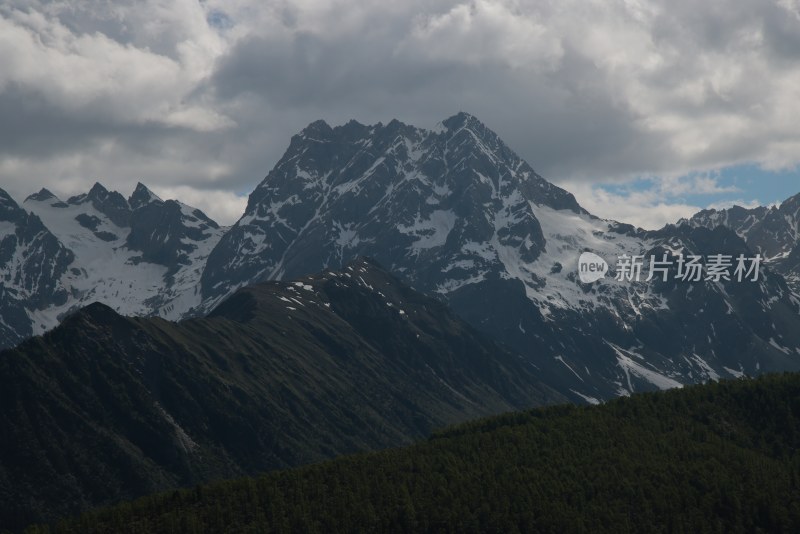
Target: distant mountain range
x,y
771,231
454,213
141,256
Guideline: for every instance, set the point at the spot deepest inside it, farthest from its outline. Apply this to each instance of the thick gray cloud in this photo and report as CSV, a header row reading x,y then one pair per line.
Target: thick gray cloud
x,y
199,99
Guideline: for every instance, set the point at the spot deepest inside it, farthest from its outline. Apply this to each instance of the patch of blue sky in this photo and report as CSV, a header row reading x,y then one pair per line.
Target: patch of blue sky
x,y
746,184
219,20
766,186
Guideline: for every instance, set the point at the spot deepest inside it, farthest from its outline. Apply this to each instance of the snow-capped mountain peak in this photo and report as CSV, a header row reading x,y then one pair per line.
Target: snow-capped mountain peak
x,y
142,196
43,196
351,187
141,257
456,213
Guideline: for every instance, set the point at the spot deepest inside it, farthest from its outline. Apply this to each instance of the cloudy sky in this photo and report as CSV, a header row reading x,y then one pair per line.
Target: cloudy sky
x,y
646,110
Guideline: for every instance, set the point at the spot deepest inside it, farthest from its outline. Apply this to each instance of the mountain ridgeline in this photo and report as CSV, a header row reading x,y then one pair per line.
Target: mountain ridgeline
x,y
454,213
106,407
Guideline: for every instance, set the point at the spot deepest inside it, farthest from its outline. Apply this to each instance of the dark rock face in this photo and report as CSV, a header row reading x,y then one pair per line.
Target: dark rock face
x,y
166,232
32,261
109,203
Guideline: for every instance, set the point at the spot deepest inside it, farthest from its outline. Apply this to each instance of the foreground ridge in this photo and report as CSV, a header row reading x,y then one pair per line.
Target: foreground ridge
x,y
107,407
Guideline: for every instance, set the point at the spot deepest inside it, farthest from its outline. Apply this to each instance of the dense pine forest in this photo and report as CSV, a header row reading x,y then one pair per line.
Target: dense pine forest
x,y
719,457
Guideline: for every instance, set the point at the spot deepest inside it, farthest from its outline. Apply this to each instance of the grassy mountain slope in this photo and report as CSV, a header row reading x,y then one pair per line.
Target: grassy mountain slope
x,y
106,407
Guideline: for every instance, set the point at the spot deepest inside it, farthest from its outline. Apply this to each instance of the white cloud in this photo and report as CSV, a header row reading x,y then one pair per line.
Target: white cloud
x,y
644,209
485,31
151,91
224,207
702,184
725,204
92,74
650,204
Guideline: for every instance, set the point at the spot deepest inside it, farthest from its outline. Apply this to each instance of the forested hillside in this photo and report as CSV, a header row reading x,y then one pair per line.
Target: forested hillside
x,y
720,457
